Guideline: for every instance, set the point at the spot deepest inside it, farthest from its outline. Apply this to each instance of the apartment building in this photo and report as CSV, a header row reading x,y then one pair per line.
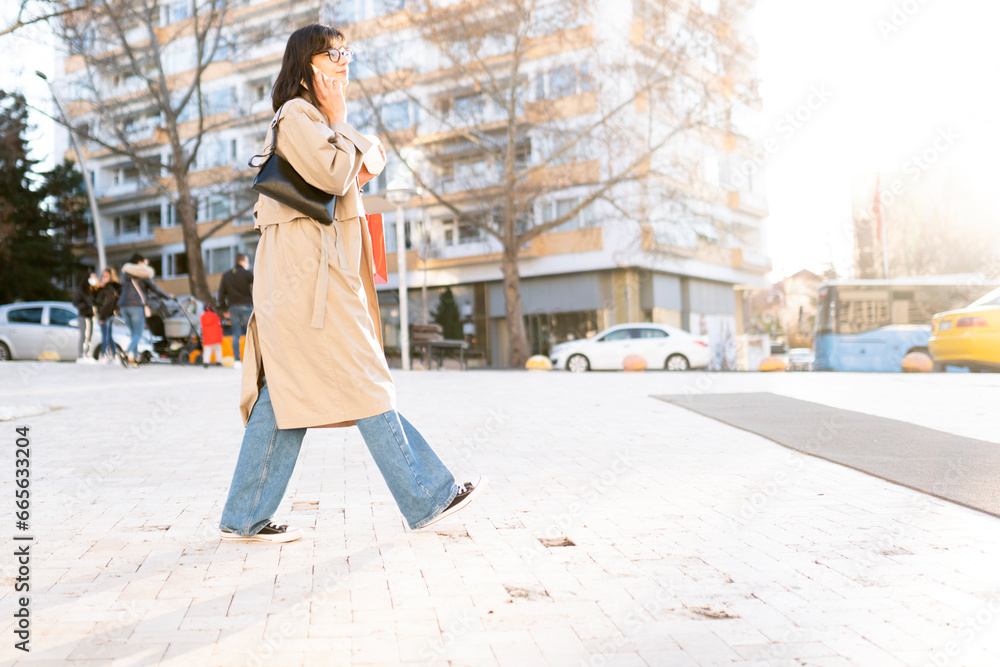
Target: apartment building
x,y
665,244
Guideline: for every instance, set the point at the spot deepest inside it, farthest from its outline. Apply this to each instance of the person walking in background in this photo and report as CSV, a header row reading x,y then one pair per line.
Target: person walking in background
x,y
86,311
106,299
211,336
314,354
137,283
236,300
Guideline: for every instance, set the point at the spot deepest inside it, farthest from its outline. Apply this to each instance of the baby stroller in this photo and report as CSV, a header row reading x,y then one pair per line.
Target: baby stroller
x,y
175,335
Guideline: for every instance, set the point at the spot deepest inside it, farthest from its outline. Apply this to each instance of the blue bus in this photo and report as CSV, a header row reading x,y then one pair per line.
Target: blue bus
x,y
870,325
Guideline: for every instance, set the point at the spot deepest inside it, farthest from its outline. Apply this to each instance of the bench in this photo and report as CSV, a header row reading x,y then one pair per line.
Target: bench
x,y
427,348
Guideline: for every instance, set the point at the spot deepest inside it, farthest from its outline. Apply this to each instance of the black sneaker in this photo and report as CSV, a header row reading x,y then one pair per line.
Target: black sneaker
x,y
269,533
466,494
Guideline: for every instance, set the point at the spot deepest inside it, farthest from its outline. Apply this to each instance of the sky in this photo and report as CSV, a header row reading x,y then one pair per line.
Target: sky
x,y
870,85
893,85
21,53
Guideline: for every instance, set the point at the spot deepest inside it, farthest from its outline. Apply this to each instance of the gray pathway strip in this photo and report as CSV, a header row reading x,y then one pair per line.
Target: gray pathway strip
x,y
959,469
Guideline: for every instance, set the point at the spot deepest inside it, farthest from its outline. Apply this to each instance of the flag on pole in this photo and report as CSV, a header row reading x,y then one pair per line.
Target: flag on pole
x,y
877,209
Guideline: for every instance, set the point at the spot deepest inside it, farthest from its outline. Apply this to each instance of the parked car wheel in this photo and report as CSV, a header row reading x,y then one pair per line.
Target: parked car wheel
x,y
578,364
4,352
677,362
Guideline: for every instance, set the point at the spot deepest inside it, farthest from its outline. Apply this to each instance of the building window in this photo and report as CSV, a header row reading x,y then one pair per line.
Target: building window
x,y
353,11
176,11
398,115
218,260
555,209
467,109
459,234
216,153
260,91
219,101
128,224
216,207
223,51
564,81
177,265
125,176
711,170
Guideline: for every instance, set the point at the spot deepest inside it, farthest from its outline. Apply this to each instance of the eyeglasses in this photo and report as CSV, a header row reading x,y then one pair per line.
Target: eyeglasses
x,y
336,54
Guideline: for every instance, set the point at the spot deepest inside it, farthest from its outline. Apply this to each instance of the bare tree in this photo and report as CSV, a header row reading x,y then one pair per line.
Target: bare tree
x,y
31,12
524,100
139,70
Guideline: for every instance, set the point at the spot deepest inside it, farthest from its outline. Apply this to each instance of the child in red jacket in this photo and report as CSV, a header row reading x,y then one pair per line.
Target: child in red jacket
x,y
211,336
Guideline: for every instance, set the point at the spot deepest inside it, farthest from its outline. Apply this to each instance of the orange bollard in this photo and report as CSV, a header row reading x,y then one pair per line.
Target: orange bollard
x,y
634,363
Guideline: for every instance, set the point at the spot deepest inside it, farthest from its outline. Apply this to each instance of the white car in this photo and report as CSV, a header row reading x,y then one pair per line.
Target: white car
x,y
662,346
800,359
32,328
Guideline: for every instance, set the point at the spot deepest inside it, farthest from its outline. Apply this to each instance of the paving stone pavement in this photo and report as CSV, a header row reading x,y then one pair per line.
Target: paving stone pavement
x,y
617,530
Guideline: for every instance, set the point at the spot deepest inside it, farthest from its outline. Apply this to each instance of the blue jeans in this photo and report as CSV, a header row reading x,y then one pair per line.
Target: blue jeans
x,y
419,482
239,316
107,342
135,318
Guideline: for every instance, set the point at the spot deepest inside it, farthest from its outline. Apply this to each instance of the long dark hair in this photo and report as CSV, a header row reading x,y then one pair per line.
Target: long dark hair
x,y
302,45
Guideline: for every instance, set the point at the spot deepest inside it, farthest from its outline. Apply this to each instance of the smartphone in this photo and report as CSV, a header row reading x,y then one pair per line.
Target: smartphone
x,y
317,72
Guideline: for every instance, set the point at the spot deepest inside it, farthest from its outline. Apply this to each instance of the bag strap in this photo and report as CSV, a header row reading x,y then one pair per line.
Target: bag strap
x,y
274,140
142,297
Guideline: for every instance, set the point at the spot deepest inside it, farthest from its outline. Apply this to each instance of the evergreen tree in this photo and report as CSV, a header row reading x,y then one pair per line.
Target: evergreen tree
x,y
35,214
448,317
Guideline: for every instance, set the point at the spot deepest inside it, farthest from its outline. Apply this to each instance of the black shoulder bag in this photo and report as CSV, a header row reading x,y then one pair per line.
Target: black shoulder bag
x,y
278,180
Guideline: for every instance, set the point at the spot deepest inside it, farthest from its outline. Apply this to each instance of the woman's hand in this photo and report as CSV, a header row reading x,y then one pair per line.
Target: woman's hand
x,y
330,97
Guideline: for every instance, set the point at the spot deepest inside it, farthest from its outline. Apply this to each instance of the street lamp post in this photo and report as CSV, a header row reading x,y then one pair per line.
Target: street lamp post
x,y
102,260
399,197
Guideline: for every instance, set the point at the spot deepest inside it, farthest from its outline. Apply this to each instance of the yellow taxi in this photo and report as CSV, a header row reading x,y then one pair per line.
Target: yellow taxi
x,y
970,336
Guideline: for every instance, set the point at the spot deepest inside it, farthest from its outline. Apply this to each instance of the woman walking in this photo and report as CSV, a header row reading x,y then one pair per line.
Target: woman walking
x,y
85,313
313,354
137,283
107,303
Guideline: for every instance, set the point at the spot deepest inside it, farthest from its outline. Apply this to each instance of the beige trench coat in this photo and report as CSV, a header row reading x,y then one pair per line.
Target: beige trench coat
x,y
315,330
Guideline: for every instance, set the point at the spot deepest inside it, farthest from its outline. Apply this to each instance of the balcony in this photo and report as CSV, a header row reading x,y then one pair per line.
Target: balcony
x,y
125,188
128,238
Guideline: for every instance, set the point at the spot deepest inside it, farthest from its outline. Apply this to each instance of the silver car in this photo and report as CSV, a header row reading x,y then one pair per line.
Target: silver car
x,y
31,329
